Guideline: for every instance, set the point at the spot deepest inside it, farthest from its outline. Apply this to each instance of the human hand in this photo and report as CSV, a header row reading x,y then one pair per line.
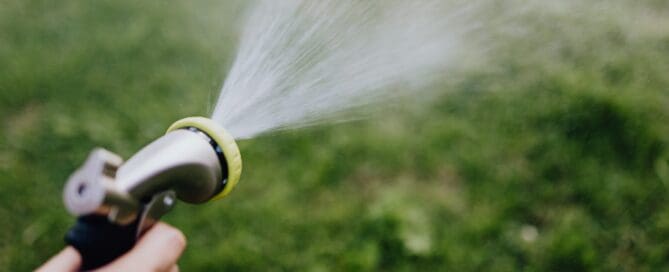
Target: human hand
x,y
157,250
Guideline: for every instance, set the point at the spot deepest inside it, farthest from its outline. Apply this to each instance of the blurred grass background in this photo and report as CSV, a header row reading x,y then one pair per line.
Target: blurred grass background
x,y
552,156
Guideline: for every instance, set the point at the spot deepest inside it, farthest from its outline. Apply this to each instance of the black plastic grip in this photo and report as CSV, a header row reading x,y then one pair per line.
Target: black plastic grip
x,y
99,241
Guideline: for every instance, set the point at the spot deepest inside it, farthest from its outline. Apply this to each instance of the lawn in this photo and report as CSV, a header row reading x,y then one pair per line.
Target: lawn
x,y
553,156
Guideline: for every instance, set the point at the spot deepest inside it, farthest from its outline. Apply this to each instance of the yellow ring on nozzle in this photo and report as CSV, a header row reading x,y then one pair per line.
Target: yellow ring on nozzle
x,y
227,143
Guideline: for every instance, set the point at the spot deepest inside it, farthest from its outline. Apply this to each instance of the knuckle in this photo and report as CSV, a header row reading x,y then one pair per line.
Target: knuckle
x,y
176,237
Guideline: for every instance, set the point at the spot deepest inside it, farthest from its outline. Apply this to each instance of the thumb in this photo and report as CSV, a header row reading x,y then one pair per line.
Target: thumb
x,y
67,260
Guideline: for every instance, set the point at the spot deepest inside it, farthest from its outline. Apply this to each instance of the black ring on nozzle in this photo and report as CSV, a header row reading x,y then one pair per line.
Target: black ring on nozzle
x,y
221,158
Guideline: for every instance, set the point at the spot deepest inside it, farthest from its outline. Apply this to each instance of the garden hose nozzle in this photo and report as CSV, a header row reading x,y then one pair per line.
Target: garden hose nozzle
x,y
195,161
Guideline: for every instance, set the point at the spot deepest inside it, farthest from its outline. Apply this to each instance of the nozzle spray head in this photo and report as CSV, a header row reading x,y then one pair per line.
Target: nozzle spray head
x,y
195,161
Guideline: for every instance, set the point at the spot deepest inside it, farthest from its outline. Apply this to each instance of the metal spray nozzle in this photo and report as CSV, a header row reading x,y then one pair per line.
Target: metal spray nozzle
x,y
195,161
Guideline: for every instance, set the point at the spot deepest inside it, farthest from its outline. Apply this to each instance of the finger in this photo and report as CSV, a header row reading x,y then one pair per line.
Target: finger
x,y
158,250
67,259
175,268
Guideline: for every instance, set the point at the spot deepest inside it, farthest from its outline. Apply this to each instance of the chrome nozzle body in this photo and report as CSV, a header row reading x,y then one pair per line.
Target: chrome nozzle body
x,y
182,161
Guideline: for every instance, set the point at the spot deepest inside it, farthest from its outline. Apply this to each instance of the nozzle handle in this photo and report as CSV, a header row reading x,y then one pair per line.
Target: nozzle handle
x,y
99,241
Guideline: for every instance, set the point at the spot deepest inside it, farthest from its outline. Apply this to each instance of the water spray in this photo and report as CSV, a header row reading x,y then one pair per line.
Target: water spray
x,y
116,202
295,67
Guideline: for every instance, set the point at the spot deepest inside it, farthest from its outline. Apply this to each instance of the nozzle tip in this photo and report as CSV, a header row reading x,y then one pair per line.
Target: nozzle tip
x,y
224,140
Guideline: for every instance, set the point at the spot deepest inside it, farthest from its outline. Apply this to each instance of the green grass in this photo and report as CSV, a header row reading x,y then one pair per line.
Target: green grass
x,y
565,132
